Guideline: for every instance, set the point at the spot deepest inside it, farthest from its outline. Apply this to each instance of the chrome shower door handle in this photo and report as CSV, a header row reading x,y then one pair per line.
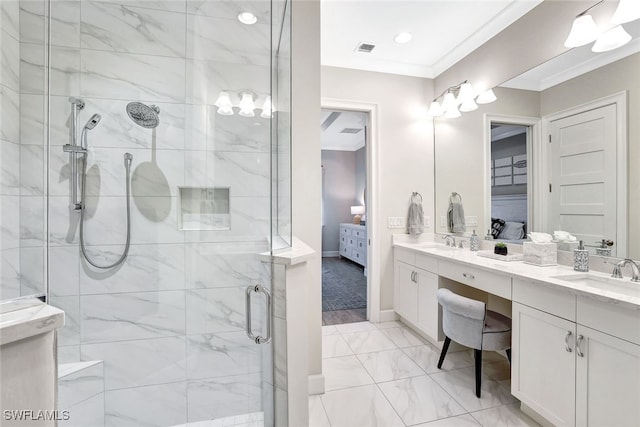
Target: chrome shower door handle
x,y
258,289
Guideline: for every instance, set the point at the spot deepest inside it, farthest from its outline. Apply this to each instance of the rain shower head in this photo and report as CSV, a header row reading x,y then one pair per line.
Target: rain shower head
x,y
144,115
93,121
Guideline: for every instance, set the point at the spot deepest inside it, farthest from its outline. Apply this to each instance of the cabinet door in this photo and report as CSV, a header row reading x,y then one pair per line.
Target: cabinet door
x,y
406,304
428,303
608,381
543,371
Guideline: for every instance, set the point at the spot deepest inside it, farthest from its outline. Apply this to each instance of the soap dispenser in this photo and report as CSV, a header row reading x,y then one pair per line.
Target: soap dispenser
x,y
489,236
581,258
603,249
474,242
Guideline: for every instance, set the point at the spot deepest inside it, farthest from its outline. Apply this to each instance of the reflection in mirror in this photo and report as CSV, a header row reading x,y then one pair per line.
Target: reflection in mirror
x,y
584,181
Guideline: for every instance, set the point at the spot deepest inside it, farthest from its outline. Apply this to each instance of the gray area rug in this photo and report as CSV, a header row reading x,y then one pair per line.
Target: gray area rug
x,y
344,285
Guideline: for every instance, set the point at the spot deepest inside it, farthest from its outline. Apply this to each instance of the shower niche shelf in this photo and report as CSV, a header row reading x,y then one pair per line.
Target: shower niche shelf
x,y
204,208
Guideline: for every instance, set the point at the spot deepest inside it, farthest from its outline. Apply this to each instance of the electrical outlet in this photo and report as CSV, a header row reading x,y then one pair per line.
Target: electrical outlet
x,y
427,221
395,222
471,220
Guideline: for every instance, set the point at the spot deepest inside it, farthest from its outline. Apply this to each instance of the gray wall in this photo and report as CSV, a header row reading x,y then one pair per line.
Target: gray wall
x,y
339,194
361,175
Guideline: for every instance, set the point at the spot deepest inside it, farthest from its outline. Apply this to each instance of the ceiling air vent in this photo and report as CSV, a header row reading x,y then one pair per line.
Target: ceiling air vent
x,y
365,47
350,130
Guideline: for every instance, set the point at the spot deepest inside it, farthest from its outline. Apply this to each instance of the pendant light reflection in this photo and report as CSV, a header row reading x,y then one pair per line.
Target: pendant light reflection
x,y
247,105
267,108
627,11
452,106
612,39
224,104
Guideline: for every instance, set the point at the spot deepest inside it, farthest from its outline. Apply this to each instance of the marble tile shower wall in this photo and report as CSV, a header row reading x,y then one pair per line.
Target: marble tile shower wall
x,y
22,240
169,324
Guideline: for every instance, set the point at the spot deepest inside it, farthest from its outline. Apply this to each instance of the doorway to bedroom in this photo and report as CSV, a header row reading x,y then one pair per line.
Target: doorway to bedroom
x,y
510,177
344,216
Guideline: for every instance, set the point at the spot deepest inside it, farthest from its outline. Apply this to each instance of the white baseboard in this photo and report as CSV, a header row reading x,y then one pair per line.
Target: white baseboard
x,y
316,384
388,316
330,254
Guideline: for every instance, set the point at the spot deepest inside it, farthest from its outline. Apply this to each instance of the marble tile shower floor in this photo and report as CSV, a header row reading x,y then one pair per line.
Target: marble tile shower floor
x,y
384,375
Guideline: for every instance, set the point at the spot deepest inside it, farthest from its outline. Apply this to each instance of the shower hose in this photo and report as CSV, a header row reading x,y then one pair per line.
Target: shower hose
x,y
127,164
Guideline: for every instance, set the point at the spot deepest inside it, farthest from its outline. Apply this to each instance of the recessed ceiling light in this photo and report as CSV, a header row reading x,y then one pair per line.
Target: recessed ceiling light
x,y
403,38
247,18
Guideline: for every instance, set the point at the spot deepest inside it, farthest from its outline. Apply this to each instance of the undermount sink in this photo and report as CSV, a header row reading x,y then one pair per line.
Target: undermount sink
x,y
433,245
606,283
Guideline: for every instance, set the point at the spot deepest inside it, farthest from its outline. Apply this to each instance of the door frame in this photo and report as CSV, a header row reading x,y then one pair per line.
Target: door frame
x,y
373,208
534,212
620,101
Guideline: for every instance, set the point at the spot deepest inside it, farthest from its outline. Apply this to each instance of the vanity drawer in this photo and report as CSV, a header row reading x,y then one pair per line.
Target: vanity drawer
x,y
426,262
359,256
345,231
405,255
545,298
489,282
359,233
610,318
345,251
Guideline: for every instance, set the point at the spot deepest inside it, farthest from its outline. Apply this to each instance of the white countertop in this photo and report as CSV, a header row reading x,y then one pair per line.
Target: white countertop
x,y
28,320
622,291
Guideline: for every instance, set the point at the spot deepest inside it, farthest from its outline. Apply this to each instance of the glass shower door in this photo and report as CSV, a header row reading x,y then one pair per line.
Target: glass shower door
x,y
163,336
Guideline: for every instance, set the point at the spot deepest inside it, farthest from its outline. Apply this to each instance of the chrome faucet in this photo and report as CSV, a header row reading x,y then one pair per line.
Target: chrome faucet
x,y
635,269
450,240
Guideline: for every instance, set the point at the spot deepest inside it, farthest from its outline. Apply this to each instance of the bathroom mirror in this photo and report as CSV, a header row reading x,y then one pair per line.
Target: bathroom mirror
x,y
536,100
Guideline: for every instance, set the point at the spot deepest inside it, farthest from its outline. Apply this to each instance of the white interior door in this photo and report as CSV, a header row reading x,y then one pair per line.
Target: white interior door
x,y
583,175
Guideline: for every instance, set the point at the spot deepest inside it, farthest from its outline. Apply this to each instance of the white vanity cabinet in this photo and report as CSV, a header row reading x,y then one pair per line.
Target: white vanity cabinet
x,y
416,284
353,243
571,374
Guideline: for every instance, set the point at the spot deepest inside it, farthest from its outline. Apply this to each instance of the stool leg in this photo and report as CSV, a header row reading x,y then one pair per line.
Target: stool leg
x,y
509,355
478,356
443,353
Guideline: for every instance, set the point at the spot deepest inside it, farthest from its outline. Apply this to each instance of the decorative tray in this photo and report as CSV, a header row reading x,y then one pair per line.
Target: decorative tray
x,y
509,257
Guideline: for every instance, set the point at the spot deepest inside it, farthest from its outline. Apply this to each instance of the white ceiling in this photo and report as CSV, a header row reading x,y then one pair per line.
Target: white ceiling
x,y
444,31
333,138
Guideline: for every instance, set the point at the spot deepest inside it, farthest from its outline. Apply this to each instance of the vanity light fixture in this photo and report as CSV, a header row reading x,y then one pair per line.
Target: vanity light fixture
x,y
584,29
451,105
267,108
247,105
224,104
627,11
403,38
247,18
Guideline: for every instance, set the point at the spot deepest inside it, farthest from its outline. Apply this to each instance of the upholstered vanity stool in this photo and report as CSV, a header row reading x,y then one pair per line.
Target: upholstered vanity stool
x,y
468,322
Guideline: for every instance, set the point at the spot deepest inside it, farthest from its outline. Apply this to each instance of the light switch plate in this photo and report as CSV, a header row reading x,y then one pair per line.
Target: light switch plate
x,y
395,222
471,220
427,221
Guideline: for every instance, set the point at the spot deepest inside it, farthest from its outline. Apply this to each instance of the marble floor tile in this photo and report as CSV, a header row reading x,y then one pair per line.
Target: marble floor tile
x,y
348,328
461,384
420,399
360,406
368,342
426,356
504,416
329,330
403,337
459,421
389,365
344,372
335,346
317,415
387,325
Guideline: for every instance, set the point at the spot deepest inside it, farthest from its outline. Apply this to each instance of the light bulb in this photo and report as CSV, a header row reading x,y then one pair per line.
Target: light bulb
x,y
403,38
627,11
486,97
465,94
435,110
612,39
449,102
246,105
468,105
267,108
583,31
224,104
452,112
